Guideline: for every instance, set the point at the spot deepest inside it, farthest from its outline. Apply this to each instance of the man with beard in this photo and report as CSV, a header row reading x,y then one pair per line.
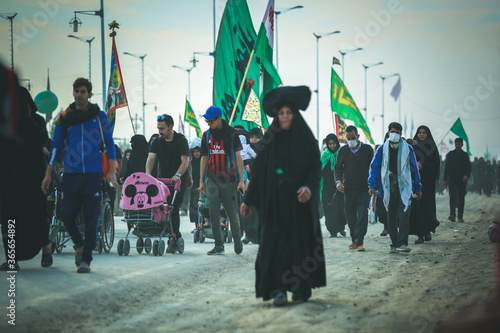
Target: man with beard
x,y
172,151
78,127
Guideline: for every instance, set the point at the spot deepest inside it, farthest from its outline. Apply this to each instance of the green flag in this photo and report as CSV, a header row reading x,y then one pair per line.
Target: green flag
x,y
345,107
190,118
458,130
235,43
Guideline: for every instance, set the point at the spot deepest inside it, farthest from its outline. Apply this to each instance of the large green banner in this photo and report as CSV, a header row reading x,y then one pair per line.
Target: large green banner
x,y
234,45
344,106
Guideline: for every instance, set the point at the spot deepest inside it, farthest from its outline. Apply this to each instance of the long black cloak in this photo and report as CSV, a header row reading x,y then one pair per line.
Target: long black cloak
x,y
290,256
423,212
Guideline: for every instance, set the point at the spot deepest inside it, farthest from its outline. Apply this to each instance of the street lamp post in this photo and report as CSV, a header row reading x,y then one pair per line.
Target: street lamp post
x,y
366,88
278,12
383,111
343,54
188,70
317,76
143,102
10,17
76,22
89,41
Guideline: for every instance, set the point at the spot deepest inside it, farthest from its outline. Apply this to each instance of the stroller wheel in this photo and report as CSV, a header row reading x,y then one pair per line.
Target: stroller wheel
x,y
126,247
195,236
119,247
161,247
180,245
139,245
171,245
147,245
155,248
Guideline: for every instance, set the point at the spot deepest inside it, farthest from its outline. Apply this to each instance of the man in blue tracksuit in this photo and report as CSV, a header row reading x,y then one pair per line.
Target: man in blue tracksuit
x,y
79,128
395,178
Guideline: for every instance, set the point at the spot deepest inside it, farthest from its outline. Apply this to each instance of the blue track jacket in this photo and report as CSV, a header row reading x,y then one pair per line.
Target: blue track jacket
x,y
83,141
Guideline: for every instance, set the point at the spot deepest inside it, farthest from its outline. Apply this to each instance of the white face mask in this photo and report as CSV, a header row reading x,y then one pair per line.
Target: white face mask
x,y
394,137
352,143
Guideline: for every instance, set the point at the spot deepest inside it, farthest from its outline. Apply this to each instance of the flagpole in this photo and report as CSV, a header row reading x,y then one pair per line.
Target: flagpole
x,y
444,136
241,87
130,116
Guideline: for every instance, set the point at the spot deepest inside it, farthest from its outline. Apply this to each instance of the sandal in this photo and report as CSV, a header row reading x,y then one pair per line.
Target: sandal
x,y
47,260
6,267
78,256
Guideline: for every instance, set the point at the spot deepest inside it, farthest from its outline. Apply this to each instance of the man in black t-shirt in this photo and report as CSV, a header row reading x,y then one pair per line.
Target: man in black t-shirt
x,y
172,151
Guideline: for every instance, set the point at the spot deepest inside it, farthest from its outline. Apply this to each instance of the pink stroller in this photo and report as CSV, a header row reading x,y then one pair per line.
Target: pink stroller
x,y
147,213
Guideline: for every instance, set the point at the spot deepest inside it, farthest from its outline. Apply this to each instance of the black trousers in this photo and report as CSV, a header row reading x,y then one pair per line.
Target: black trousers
x,y
457,197
398,220
356,204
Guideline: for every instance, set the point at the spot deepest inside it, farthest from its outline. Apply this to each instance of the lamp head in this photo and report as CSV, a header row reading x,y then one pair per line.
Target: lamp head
x,y
75,22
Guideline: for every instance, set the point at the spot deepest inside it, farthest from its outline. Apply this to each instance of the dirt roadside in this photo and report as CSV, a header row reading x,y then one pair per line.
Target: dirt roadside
x,y
366,292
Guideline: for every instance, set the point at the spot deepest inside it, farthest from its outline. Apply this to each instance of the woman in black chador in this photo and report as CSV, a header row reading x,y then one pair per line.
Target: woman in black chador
x,y
285,190
138,156
331,199
423,219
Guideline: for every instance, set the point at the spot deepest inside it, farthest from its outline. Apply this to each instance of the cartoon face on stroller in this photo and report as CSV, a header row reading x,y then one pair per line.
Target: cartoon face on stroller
x,y
147,212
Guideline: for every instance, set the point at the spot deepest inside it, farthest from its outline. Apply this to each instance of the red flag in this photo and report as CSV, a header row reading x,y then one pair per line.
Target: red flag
x,y
116,97
444,148
181,126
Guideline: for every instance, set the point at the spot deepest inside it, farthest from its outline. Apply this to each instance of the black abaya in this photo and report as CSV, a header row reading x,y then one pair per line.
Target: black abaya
x,y
423,212
290,256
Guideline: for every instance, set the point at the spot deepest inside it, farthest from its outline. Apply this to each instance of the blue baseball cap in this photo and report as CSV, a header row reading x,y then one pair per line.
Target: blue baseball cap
x,y
212,113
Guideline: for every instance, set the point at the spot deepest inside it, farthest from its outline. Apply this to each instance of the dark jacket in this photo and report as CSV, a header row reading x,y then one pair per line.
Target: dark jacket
x,y
353,168
457,165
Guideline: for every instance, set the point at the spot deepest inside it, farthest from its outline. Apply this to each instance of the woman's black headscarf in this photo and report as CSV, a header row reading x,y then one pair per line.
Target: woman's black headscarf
x,y
427,154
428,145
138,156
329,138
300,137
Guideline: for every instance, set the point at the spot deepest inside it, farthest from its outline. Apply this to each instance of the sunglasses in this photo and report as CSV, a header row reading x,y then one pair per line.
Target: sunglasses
x,y
210,122
162,117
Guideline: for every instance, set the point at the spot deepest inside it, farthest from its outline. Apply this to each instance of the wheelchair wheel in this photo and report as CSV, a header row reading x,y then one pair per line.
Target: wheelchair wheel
x,y
195,235
147,245
60,236
107,227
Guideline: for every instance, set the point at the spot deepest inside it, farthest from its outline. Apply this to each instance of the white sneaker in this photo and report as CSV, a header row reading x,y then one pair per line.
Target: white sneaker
x,y
403,248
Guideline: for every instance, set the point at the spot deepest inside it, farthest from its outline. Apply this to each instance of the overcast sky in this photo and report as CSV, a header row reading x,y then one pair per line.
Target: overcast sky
x,y
447,53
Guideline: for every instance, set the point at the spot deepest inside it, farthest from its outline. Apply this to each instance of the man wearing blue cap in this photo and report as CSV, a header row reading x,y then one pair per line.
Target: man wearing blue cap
x,y
221,157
